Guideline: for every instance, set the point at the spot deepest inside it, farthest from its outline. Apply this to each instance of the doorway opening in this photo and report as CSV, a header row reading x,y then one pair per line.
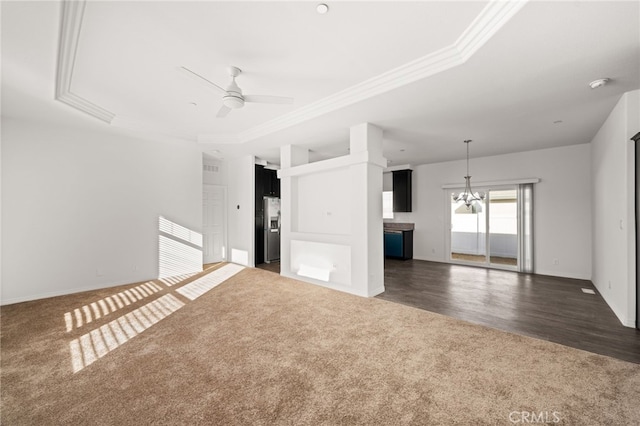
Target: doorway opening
x,y
267,219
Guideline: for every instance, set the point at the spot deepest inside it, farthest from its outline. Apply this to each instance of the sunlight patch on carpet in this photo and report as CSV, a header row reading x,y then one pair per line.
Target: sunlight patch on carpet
x,y
176,279
202,285
93,311
95,344
102,339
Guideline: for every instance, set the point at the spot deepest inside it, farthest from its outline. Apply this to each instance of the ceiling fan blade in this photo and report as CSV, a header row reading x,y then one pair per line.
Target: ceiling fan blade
x,y
223,111
266,99
197,77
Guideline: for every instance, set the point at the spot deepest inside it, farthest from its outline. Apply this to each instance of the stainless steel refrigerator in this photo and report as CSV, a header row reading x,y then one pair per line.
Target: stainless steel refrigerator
x,y
271,229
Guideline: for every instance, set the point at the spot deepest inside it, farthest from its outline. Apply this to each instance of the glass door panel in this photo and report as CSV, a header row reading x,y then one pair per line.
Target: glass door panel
x,y
503,227
468,232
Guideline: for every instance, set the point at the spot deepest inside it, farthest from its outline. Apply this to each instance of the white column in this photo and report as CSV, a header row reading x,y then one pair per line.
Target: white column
x,y
367,247
290,156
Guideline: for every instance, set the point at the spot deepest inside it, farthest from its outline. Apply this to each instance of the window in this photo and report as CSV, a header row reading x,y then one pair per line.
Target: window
x,y
387,204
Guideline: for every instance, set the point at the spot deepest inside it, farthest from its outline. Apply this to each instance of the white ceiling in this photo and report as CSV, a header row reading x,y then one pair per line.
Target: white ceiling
x,y
431,74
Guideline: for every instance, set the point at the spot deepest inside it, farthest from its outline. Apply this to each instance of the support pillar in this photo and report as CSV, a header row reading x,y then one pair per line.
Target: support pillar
x,y
367,247
290,156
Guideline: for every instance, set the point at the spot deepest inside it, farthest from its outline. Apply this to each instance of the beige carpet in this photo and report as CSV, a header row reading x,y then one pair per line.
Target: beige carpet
x,y
260,349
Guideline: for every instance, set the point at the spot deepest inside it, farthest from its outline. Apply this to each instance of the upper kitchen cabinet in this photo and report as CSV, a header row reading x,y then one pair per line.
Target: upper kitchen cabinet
x,y
271,183
402,190
267,183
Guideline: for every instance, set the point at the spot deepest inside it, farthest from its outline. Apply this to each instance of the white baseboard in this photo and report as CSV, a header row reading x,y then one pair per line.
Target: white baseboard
x,y
561,274
339,287
63,292
629,322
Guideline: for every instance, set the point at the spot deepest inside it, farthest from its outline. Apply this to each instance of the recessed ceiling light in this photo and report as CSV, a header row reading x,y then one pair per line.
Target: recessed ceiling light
x,y
193,104
557,122
322,8
598,83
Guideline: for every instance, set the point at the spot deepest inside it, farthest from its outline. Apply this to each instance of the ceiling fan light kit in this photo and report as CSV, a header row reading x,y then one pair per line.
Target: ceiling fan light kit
x,y
233,102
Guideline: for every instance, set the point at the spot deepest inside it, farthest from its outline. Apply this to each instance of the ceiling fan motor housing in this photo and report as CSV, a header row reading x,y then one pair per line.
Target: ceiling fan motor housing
x,y
233,98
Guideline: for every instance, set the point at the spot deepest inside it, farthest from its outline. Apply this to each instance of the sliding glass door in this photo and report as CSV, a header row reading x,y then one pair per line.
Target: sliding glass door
x,y
486,232
503,226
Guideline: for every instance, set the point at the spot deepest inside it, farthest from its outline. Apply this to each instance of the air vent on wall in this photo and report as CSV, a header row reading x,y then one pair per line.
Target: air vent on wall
x,y
210,168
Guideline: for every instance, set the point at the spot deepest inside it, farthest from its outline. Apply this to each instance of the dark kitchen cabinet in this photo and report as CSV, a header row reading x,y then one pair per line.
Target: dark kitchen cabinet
x,y
271,183
267,184
402,190
398,244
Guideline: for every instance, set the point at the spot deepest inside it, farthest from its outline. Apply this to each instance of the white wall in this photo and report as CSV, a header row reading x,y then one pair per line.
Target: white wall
x,y
332,216
321,201
241,209
81,208
562,205
214,171
613,207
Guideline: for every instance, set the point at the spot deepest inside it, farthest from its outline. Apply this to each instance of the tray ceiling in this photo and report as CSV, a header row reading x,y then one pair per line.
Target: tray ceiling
x,y
431,74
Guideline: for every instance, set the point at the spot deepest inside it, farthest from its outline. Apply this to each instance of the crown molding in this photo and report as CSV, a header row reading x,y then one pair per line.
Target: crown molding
x,y
492,17
436,62
490,20
70,26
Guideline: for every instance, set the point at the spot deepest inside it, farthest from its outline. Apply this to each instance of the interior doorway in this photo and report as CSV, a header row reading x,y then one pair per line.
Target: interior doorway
x,y
486,233
267,186
214,219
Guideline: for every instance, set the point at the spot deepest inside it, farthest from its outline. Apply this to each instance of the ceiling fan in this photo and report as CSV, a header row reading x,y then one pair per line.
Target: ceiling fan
x,y
232,97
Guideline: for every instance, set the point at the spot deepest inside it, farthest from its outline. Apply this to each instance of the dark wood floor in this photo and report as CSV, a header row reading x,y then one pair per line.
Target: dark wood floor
x,y
273,267
549,308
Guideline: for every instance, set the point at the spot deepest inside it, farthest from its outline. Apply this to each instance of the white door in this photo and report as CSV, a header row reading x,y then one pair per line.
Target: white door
x,y
213,216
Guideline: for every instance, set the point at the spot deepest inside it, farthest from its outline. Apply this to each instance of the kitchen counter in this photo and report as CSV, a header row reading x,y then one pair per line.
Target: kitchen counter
x,y
398,226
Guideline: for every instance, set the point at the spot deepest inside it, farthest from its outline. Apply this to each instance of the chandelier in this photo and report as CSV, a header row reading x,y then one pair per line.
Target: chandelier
x,y
468,196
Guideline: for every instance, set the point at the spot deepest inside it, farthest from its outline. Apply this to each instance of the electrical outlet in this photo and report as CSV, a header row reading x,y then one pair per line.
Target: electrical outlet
x,y
609,285
433,251
556,261
99,272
